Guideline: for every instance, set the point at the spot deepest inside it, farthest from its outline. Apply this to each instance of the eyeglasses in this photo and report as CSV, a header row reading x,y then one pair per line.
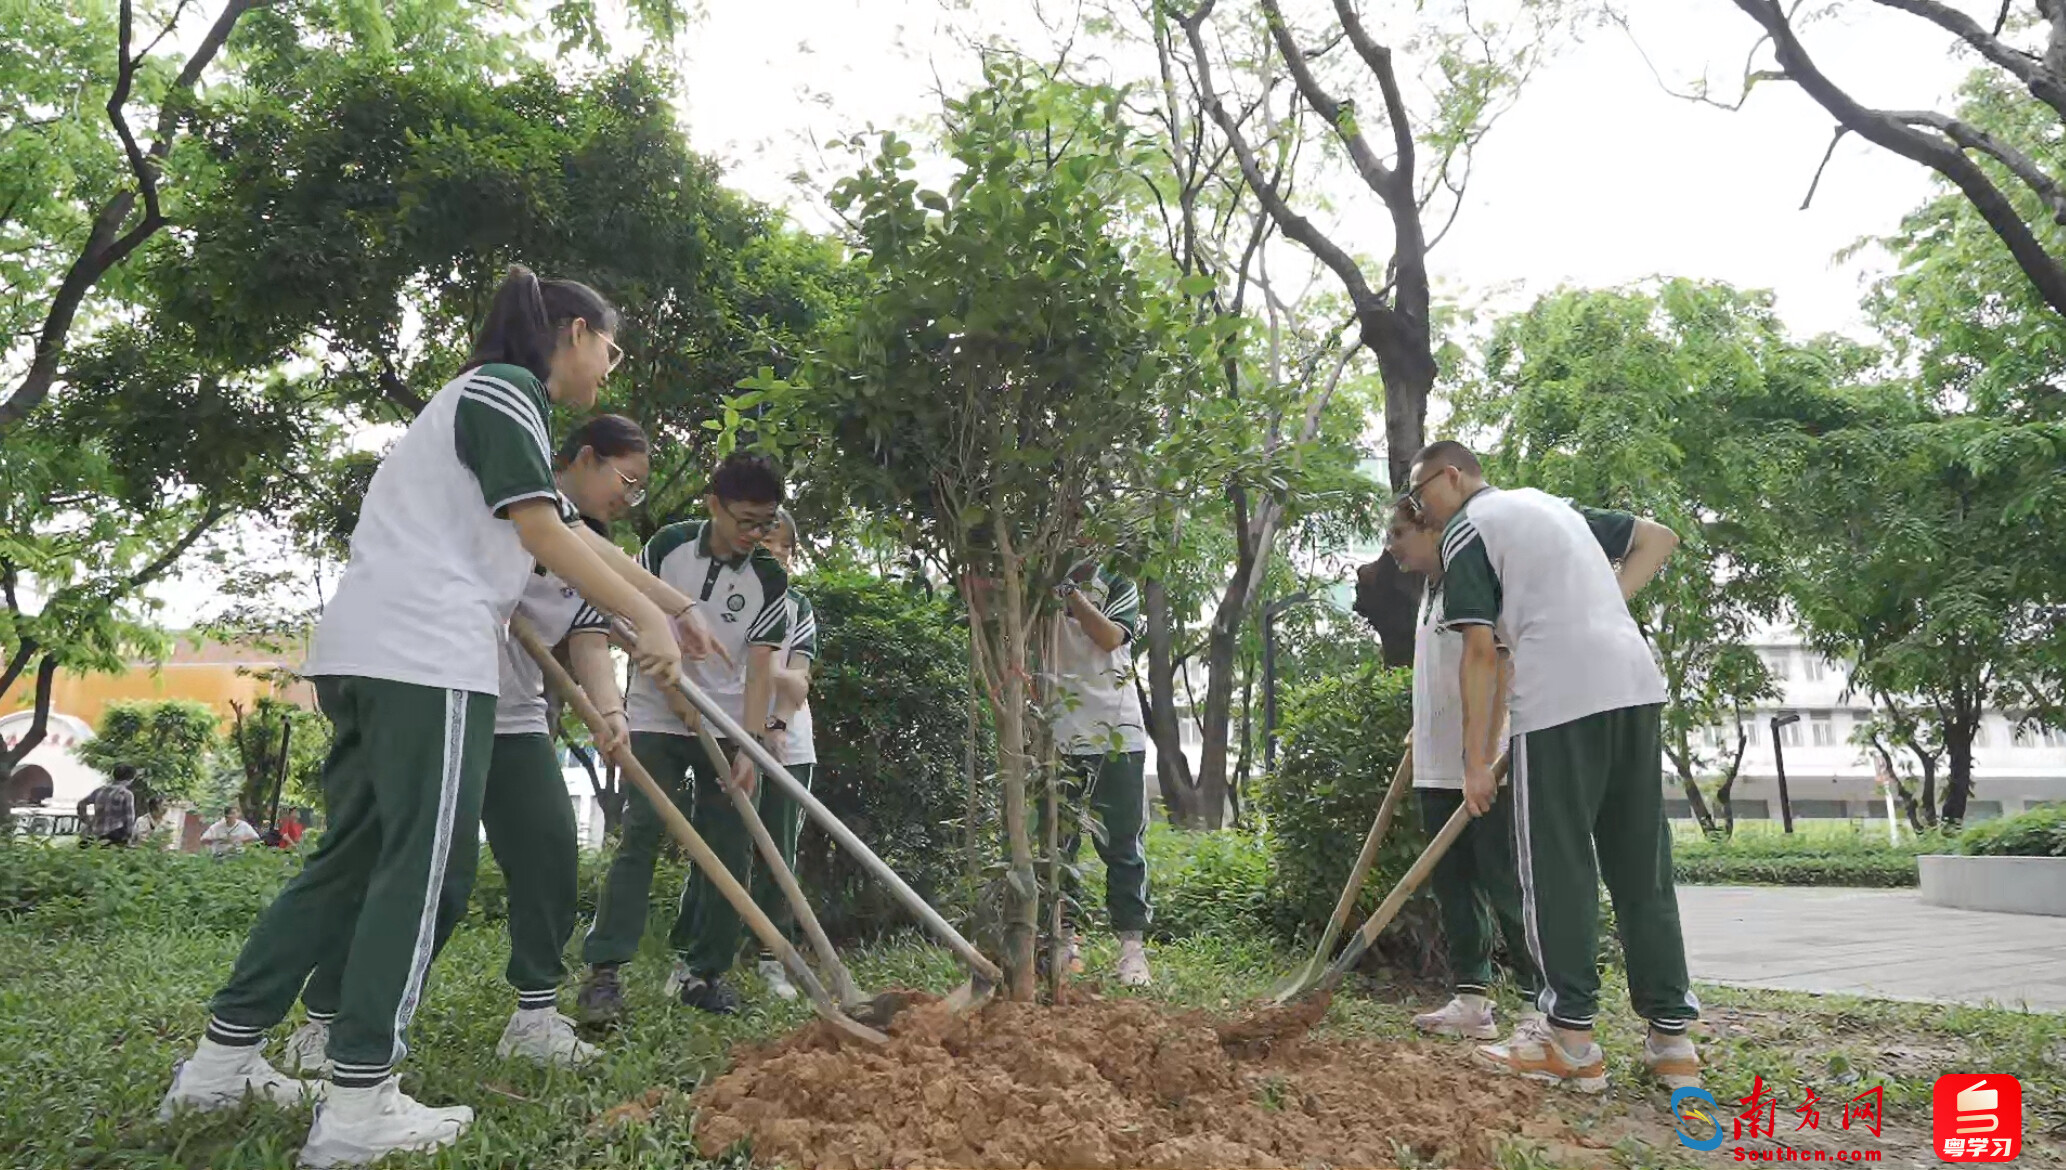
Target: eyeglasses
x,y
616,351
634,490
1410,498
751,527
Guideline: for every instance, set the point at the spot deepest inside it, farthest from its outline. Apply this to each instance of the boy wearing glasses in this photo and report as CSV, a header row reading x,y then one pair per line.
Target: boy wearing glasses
x,y
1586,771
741,588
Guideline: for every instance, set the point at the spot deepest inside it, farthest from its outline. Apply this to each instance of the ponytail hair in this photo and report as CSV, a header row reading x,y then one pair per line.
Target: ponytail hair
x,y
526,316
610,434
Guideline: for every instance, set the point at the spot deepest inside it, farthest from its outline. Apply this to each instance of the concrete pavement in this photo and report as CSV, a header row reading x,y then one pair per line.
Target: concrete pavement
x,y
1881,943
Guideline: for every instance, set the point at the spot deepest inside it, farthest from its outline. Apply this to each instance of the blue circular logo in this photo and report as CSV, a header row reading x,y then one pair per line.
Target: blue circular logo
x,y
1697,1118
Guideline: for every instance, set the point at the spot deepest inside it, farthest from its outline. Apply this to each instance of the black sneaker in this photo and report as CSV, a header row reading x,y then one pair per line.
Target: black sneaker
x,y
601,999
709,995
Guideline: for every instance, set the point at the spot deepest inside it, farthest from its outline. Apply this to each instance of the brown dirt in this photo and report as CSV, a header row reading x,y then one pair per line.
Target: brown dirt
x,y
1120,1083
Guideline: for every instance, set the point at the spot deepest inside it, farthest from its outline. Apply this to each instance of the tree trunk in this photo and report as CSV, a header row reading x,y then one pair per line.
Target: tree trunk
x,y
39,725
972,857
1724,795
1407,367
1165,727
1693,797
1928,763
1958,785
1220,646
1009,662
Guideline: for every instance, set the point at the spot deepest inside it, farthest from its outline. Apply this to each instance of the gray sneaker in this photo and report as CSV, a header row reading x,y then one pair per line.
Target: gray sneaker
x,y
601,998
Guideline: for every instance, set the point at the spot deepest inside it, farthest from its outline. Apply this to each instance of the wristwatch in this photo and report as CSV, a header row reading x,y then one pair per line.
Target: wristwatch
x,y
775,725
1066,588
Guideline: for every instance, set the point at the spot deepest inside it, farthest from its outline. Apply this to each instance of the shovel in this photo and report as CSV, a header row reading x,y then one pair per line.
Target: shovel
x,y
1335,972
771,856
563,684
1402,777
984,976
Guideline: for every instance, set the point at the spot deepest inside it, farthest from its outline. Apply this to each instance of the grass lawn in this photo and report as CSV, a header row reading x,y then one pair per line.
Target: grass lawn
x,y
90,1027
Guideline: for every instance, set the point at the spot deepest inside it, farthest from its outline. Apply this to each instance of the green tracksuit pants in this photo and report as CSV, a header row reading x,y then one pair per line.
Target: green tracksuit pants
x,y
403,784
1476,889
1114,789
706,928
784,819
531,831
1589,806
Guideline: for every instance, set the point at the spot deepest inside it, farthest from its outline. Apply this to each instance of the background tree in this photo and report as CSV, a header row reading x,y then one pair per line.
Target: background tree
x,y
999,373
256,738
168,742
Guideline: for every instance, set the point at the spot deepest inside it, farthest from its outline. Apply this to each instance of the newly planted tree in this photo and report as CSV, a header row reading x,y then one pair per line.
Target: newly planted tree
x,y
999,376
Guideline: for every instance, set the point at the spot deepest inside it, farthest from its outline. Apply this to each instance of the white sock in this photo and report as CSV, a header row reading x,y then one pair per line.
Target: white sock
x,y
534,1015
209,1052
1473,1000
352,1095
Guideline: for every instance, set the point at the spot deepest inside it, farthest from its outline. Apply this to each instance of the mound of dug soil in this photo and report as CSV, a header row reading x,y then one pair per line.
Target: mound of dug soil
x,y
1099,1084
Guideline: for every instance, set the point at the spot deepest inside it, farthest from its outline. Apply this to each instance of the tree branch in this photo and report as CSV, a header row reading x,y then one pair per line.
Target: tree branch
x,y
1815,183
104,248
165,560
2044,84
2044,271
1295,226
1340,120
1972,137
1379,60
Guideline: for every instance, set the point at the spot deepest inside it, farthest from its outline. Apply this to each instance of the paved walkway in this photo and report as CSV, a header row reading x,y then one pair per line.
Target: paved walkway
x,y
1882,943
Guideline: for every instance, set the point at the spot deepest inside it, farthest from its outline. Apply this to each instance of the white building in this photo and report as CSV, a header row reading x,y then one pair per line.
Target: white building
x,y
1829,777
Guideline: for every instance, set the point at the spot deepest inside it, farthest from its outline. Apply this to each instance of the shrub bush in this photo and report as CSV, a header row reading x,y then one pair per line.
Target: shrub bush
x,y
1840,857
1208,883
889,704
58,886
2041,832
1342,736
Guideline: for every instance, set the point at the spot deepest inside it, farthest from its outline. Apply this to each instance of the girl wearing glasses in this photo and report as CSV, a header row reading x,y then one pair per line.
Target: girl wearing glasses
x,y
406,665
601,469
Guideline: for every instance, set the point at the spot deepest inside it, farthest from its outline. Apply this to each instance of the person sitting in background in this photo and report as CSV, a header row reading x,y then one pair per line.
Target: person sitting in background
x,y
230,834
108,814
290,830
150,824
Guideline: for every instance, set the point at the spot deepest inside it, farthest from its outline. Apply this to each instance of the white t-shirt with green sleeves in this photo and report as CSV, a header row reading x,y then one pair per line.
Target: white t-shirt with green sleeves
x,y
1100,710
556,611
742,601
800,642
436,566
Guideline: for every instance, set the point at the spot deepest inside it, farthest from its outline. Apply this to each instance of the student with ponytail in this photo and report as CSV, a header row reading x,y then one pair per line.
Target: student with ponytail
x,y
406,662
602,468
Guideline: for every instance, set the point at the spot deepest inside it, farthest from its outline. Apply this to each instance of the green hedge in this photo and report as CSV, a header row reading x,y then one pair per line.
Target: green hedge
x,y
1839,857
1342,736
58,886
2041,832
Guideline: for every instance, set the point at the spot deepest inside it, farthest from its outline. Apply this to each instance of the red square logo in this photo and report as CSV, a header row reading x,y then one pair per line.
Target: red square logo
x,y
1977,1117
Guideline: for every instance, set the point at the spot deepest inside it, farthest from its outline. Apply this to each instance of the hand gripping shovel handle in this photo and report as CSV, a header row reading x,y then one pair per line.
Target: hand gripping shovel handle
x,y
557,678
772,769
1353,888
771,855
1396,900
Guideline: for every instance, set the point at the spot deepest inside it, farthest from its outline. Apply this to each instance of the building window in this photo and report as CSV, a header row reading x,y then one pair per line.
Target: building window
x,y
2021,736
1821,810
1822,729
1790,734
1983,810
1776,663
1980,736
1811,667
1715,735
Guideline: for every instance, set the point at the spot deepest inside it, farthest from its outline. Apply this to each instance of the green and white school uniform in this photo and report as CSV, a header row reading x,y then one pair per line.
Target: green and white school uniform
x,y
778,810
1104,746
742,599
525,810
1586,769
406,665
1475,884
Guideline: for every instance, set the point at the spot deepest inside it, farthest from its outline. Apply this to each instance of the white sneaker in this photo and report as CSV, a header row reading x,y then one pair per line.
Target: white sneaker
x,y
308,1051
1672,1060
219,1076
776,978
1466,1016
1133,963
360,1125
677,976
544,1036
1535,1052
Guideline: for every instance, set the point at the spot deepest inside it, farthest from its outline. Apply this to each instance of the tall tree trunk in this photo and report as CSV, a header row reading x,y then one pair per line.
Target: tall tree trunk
x,y
972,857
39,724
1220,646
1725,793
1165,727
1927,761
1958,784
1681,763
